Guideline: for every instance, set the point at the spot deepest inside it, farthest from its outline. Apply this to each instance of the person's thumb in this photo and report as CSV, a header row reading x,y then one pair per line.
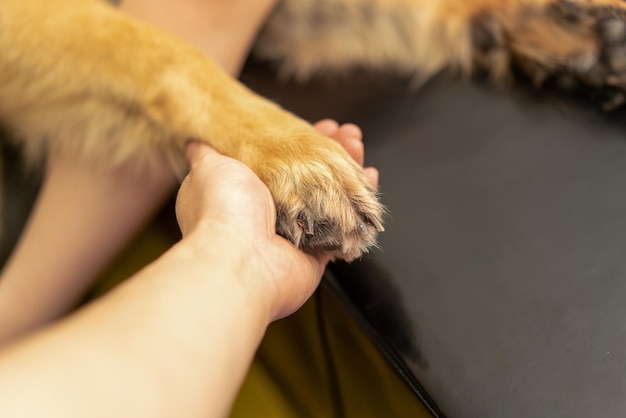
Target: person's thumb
x,y
196,150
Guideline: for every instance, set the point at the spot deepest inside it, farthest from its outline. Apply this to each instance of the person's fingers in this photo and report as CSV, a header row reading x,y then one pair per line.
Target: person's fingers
x,y
196,150
328,127
356,150
351,130
372,175
322,261
349,136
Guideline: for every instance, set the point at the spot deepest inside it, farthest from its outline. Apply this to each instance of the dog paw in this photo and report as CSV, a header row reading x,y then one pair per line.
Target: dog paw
x,y
577,44
324,202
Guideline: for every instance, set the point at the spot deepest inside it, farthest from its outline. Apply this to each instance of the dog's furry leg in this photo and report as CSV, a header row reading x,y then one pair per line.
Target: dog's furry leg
x,y
80,78
414,37
578,43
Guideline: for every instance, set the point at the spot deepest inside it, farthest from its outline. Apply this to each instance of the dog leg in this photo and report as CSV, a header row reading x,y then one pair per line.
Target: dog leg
x,y
115,90
406,37
578,43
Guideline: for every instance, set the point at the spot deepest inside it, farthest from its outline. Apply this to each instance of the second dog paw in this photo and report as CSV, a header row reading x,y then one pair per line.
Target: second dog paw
x,y
579,45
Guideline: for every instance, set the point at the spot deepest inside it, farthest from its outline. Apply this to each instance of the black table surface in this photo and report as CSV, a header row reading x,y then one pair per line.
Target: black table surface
x,y
504,255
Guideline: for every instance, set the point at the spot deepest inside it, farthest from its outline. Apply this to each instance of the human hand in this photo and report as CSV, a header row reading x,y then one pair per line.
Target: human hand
x,y
224,204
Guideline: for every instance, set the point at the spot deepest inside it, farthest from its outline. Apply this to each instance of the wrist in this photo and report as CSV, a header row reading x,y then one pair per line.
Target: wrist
x,y
226,264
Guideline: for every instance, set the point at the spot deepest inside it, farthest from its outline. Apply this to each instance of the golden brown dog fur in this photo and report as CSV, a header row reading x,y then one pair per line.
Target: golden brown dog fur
x,y
80,77
543,38
111,89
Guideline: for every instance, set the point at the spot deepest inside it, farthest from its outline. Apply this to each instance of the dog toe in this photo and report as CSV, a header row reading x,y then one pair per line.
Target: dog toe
x,y
325,203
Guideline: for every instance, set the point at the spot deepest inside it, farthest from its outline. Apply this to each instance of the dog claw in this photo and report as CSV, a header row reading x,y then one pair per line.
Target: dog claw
x,y
305,223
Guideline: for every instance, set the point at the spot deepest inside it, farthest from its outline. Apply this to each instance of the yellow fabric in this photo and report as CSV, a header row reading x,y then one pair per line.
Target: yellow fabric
x,y
292,375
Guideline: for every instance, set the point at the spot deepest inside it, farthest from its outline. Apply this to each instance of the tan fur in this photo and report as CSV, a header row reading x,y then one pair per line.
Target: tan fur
x,y
404,36
422,37
80,77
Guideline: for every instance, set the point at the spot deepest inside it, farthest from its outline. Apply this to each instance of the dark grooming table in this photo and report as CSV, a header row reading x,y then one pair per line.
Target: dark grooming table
x,y
501,277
